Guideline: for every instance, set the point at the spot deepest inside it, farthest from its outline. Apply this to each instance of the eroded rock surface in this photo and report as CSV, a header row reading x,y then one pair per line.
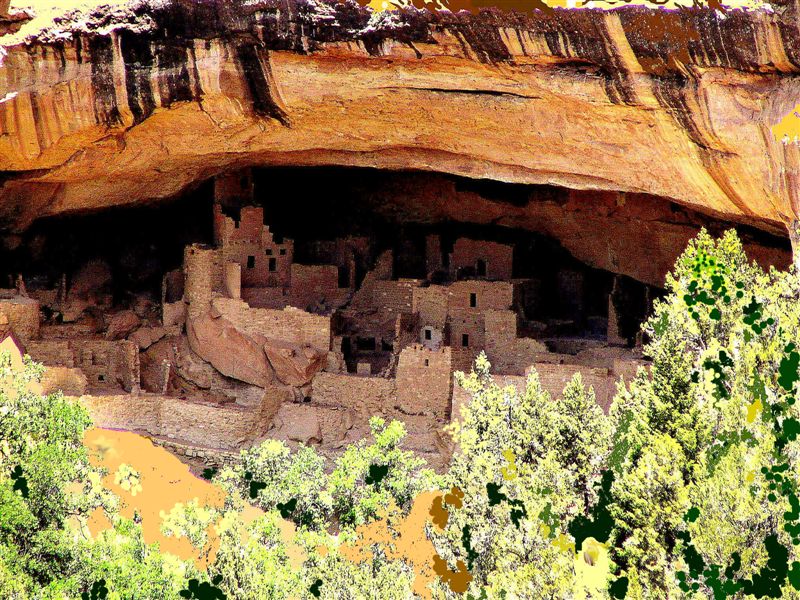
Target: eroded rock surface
x,y
230,351
120,106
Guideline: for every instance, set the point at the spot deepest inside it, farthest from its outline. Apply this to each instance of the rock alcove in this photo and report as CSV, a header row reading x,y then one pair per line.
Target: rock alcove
x,y
295,302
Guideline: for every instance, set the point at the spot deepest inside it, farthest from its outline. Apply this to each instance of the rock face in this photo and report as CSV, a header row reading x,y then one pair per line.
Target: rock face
x,y
295,366
115,107
229,351
121,324
637,235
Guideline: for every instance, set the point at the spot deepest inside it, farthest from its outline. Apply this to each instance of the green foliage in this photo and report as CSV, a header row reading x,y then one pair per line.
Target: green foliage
x,y
721,345
599,523
253,561
365,479
40,455
370,477
42,555
98,591
131,568
20,482
253,485
526,464
275,478
377,473
189,520
334,577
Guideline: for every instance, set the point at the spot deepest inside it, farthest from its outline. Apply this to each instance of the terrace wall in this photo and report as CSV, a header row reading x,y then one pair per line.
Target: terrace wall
x,y
366,396
204,424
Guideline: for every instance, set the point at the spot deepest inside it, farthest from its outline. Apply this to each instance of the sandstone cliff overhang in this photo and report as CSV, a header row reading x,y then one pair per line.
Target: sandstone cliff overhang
x,y
134,103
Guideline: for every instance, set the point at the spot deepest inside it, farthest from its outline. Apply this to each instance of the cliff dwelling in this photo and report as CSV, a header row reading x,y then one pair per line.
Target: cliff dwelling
x,y
229,221
297,302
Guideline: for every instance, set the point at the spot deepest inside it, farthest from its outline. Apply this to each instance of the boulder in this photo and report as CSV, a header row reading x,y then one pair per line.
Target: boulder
x,y
228,350
294,365
144,337
143,305
121,324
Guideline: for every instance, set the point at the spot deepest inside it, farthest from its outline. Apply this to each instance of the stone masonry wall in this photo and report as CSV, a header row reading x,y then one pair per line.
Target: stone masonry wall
x,y
70,381
266,297
23,316
204,424
431,305
508,354
203,276
314,285
366,396
208,424
466,330
424,380
394,297
125,411
209,456
290,325
436,302
106,364
497,258
250,243
489,295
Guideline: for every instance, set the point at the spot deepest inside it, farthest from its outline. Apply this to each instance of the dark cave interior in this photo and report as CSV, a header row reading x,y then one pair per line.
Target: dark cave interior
x,y
307,205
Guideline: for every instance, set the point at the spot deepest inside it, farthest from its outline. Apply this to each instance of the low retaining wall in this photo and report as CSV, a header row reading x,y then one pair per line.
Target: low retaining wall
x,y
366,396
199,424
210,456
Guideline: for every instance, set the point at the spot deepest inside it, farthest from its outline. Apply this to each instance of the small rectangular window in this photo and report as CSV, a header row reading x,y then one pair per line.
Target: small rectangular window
x,y
268,251
236,224
427,334
251,262
283,251
427,363
273,264
473,300
465,340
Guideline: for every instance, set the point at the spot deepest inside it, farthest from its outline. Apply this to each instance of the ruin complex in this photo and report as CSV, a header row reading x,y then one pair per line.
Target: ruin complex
x,y
247,342
221,222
